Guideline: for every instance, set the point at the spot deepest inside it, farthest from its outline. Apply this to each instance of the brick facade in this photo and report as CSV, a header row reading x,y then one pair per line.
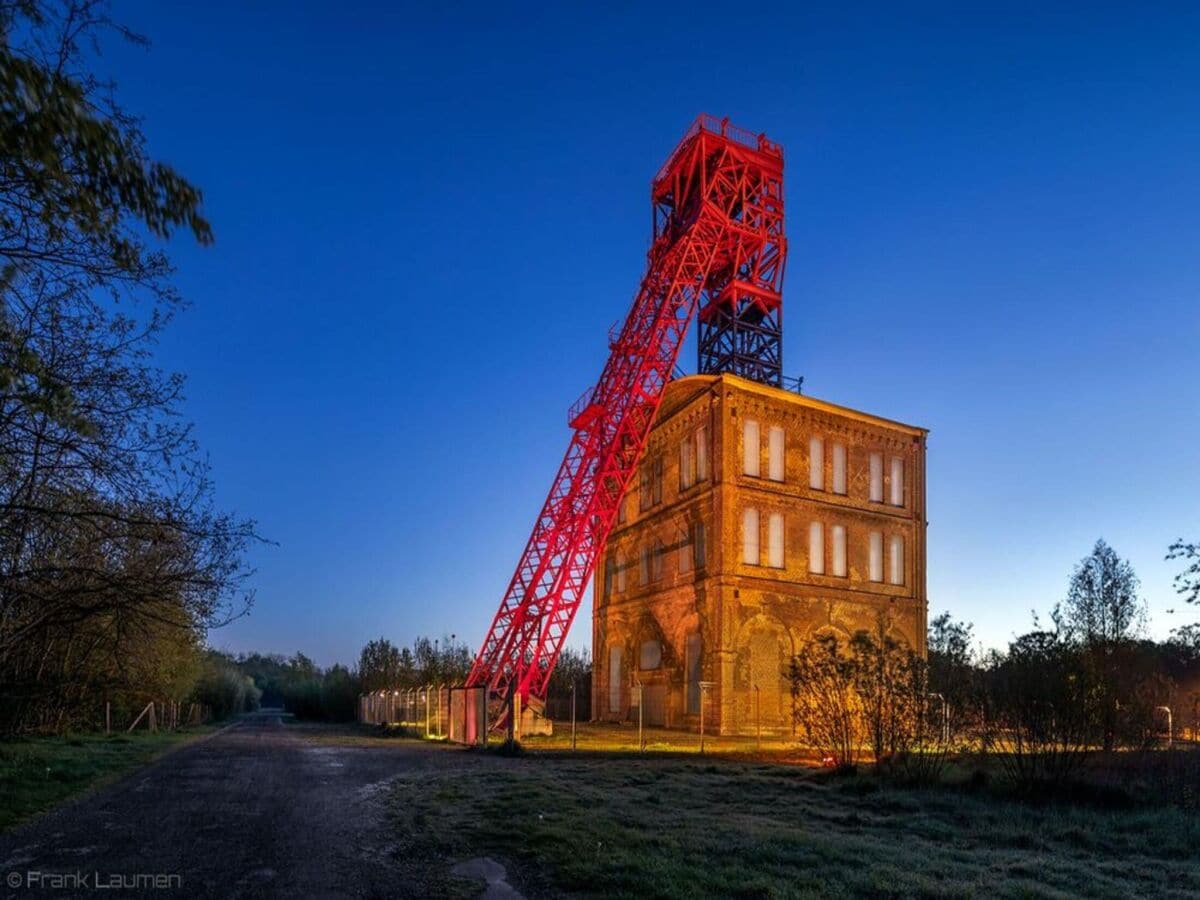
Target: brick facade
x,y
675,601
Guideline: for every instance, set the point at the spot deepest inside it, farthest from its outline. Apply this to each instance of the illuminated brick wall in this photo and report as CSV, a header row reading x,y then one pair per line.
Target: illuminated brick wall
x,y
683,595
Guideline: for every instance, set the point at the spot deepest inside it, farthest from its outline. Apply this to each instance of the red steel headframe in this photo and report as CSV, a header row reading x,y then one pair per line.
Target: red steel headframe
x,y
718,226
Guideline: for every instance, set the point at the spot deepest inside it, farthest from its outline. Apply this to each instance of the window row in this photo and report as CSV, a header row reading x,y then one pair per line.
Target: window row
x,y
691,553
693,469
817,545
776,449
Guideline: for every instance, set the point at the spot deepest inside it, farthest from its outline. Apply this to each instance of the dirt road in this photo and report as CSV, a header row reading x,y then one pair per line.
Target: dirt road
x,y
258,810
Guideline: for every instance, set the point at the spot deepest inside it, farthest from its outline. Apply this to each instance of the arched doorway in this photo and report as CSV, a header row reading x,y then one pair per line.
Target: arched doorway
x,y
762,693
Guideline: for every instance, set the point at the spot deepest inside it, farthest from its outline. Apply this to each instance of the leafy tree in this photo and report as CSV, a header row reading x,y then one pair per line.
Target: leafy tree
x,y
1187,582
407,667
108,531
824,702
574,669
1187,639
302,687
1043,709
303,667
425,661
380,665
1102,614
442,661
1102,603
77,193
223,686
953,672
872,689
339,694
890,683
949,642
270,674
454,661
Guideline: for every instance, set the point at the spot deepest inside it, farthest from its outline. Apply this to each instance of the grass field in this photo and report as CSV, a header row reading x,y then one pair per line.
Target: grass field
x,y
672,827
38,773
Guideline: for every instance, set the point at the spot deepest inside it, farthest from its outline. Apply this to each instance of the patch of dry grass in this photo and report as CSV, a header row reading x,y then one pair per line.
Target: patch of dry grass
x,y
39,773
670,827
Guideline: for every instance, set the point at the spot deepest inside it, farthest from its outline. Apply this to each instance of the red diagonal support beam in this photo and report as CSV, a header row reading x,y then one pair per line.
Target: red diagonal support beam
x,y
718,218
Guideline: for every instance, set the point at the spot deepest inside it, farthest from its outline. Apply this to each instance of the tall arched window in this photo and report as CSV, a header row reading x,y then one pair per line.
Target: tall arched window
x,y
816,548
614,679
650,655
897,560
750,448
750,551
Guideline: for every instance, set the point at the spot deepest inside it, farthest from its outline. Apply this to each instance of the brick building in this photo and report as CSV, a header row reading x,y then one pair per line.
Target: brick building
x,y
760,518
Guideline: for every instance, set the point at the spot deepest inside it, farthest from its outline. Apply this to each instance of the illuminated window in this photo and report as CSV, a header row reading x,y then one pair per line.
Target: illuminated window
x,y
896,566
650,487
687,474
838,540
699,548
897,481
775,540
750,448
614,679
876,477
839,468
656,560
876,563
693,458
775,453
650,656
816,548
750,554
816,464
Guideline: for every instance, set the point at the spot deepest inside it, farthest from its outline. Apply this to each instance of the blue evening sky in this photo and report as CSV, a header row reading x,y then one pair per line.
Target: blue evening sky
x,y
428,215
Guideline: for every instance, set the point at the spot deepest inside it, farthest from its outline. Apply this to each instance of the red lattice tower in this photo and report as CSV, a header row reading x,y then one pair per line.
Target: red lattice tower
x,y
718,239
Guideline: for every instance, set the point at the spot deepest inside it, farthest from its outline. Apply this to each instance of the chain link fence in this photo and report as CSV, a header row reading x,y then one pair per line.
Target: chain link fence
x,y
456,713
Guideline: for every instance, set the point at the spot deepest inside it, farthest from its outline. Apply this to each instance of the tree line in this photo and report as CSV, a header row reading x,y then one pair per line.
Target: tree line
x,y
233,684
384,666
114,559
1087,682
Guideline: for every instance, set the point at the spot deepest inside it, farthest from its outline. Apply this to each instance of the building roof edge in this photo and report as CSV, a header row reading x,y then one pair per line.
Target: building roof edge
x,y
746,384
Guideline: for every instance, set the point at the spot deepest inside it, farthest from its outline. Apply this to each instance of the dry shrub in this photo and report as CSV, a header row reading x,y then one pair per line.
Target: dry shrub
x,y
871,690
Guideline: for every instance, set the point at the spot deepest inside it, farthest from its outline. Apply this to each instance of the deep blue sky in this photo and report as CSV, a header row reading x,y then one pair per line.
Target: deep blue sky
x,y
427,218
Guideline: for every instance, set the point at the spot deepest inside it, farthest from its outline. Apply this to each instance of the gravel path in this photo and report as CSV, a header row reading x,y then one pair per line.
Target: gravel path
x,y
256,810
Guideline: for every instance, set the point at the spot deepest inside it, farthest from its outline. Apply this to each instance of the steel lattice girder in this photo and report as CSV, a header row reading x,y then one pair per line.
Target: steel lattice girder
x,y
718,227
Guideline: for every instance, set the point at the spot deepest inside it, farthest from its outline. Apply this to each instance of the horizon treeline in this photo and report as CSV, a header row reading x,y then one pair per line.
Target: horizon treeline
x,y
233,684
1087,683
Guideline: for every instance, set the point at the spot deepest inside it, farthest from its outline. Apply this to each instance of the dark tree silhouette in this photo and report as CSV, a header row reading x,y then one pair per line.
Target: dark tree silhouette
x,y
1187,582
109,540
1102,603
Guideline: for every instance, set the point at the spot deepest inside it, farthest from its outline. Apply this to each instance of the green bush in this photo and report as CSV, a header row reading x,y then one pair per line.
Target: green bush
x,y
222,686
